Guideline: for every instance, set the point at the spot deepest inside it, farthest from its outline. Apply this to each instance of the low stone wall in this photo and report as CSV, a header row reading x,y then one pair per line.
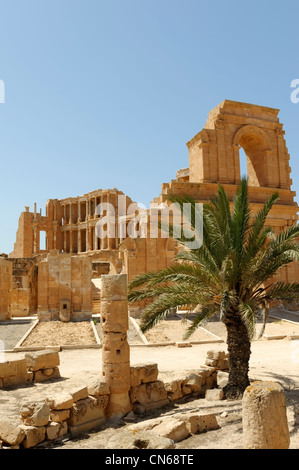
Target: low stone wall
x,y
37,366
86,407
148,393
73,412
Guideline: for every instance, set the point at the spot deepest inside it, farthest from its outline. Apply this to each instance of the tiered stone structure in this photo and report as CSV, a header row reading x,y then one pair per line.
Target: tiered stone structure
x,y
71,224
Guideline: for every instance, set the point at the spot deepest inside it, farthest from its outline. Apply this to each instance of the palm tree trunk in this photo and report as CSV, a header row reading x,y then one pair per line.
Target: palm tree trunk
x,y
238,344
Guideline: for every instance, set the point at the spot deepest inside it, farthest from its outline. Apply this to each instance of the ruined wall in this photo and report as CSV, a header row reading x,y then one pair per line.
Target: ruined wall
x,y
64,279
24,287
5,287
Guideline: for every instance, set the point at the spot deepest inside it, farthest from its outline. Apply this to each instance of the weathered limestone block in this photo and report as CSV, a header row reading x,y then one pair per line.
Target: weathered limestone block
x,y
46,374
194,381
146,425
117,377
222,378
114,316
186,390
265,424
115,348
63,429
35,414
149,394
52,431
62,401
217,359
42,359
200,422
174,389
16,380
114,287
172,428
56,429
59,415
79,393
144,373
10,432
87,413
119,405
213,394
17,367
33,435
131,439
97,388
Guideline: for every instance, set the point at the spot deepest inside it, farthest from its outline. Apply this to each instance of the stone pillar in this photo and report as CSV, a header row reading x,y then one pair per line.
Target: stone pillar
x,y
115,350
70,219
64,215
265,424
79,211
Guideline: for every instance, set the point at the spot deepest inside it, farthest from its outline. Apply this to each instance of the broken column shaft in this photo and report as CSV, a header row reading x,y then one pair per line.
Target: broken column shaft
x,y
115,347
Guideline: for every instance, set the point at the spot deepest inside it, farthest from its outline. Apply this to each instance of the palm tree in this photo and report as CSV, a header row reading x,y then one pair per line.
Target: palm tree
x,y
230,274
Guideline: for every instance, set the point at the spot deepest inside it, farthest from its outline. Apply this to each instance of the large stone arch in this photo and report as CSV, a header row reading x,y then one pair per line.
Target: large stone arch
x,y
214,151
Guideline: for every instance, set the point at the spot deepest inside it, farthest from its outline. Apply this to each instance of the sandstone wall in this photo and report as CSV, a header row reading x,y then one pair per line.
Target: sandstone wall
x,y
64,279
5,288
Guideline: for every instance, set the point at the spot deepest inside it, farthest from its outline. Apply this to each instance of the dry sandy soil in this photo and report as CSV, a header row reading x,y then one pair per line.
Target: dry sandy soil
x,y
270,360
56,333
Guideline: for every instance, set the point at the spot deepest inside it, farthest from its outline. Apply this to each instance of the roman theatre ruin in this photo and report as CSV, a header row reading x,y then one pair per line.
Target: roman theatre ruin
x,y
62,280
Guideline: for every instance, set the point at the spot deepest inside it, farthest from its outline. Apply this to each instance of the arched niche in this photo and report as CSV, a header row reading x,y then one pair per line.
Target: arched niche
x,y
257,148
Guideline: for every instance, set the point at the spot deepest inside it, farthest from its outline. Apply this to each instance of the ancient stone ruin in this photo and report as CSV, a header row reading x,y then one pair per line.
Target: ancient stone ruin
x,y
42,280
88,259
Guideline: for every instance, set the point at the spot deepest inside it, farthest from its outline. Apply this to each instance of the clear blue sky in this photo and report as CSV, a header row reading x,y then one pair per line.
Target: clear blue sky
x,y
106,93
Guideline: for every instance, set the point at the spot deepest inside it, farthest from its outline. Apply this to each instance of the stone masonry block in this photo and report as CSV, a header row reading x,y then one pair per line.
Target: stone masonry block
x,y
10,432
59,415
114,287
114,315
13,368
79,393
115,348
60,401
33,435
44,374
148,393
35,414
97,388
144,373
117,376
87,414
42,359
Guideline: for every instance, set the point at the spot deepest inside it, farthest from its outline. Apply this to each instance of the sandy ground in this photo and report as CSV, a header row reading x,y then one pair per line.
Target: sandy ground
x,y
56,333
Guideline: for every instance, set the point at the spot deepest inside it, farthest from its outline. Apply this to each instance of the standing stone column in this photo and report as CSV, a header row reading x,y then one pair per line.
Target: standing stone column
x,y
265,424
115,348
